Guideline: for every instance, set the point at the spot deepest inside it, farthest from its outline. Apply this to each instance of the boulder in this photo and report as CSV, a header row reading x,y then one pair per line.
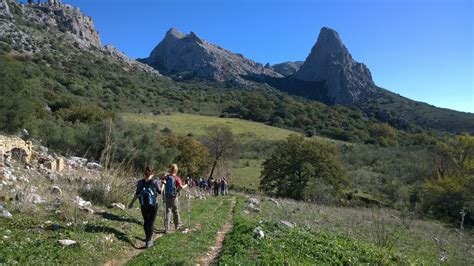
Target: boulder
x,y
67,242
81,202
258,232
275,201
56,190
120,206
94,166
287,224
6,214
254,201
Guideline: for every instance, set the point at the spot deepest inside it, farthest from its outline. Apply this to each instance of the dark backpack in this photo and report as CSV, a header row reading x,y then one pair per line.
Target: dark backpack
x,y
170,186
147,195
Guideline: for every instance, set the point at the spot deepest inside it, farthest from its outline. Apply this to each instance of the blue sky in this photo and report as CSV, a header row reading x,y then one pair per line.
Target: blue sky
x,y
421,49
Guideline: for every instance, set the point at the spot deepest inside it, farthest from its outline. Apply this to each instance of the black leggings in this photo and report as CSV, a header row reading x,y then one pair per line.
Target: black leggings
x,y
149,215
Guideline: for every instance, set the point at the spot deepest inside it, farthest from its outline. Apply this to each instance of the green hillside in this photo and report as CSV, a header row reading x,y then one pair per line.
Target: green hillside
x,y
182,123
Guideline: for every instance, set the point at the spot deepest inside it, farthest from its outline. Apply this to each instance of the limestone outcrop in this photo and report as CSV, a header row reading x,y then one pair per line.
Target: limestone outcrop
x,y
346,80
190,56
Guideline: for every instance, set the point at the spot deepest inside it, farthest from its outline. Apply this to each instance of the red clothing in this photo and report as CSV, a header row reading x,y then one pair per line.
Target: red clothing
x,y
178,182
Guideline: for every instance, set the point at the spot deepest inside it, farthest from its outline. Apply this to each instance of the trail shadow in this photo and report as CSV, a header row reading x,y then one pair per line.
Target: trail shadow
x,y
114,217
105,229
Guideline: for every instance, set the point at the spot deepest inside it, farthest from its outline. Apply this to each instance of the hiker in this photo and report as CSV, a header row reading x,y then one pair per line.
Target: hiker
x,y
216,187
223,186
171,186
147,192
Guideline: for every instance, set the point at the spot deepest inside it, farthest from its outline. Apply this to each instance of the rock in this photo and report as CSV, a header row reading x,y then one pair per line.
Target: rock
x,y
6,214
94,166
258,232
118,206
186,56
287,224
287,68
89,210
34,198
115,53
5,9
346,80
275,201
253,201
254,208
67,242
81,202
56,190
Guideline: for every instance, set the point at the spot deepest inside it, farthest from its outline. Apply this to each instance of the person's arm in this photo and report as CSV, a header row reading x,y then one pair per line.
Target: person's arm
x,y
133,201
135,196
180,183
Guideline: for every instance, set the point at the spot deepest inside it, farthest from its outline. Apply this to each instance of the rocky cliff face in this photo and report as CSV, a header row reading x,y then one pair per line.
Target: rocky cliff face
x,y
35,27
345,80
287,68
188,55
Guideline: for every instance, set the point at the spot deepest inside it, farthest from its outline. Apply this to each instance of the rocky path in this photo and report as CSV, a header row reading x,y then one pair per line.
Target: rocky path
x,y
214,251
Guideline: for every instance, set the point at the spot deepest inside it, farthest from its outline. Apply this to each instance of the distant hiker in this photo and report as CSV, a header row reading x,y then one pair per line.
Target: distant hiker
x,y
210,182
216,187
172,184
223,185
147,193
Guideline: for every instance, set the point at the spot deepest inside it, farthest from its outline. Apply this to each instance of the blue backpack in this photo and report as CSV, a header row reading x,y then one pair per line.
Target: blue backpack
x,y
147,195
170,186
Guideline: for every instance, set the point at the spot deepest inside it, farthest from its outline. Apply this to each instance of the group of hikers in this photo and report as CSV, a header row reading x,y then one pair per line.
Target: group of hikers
x,y
219,185
168,186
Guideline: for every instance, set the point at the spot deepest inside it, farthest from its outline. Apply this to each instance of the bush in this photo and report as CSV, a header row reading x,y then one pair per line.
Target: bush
x,y
297,166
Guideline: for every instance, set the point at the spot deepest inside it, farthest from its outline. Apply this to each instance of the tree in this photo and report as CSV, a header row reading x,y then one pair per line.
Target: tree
x,y
297,165
452,189
221,144
192,157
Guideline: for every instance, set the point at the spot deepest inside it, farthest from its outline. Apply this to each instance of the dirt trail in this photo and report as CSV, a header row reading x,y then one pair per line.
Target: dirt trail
x,y
214,251
128,255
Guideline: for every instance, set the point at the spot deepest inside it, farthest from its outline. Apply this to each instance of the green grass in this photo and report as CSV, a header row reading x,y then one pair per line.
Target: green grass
x,y
245,174
182,123
282,245
420,242
207,216
29,240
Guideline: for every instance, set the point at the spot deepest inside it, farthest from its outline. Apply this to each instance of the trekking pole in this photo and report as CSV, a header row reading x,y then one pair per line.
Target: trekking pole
x,y
188,193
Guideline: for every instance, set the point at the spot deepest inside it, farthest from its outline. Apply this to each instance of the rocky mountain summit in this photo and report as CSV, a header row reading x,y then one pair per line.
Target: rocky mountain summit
x,y
39,27
190,56
287,68
330,62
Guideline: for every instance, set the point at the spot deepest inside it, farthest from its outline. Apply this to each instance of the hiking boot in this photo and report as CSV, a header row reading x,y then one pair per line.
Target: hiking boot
x,y
149,244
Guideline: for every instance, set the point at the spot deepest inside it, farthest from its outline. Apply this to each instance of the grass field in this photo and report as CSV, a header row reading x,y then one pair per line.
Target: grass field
x,y
397,239
181,123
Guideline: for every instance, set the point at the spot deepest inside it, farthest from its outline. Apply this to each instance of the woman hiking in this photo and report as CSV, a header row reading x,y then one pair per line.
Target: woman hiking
x,y
147,192
172,184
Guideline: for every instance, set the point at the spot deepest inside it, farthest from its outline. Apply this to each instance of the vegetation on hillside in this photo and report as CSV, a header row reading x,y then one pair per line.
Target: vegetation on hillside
x,y
303,169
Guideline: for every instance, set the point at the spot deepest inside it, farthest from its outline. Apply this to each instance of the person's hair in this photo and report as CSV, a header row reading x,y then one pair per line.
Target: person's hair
x,y
148,171
173,169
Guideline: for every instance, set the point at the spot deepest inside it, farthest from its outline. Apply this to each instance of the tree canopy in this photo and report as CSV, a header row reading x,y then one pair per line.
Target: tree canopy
x,y
298,164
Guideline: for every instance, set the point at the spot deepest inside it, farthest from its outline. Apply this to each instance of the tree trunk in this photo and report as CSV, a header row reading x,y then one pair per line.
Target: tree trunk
x,y
213,167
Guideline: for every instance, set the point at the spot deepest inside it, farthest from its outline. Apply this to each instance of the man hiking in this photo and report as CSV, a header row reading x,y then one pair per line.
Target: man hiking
x,y
171,186
147,193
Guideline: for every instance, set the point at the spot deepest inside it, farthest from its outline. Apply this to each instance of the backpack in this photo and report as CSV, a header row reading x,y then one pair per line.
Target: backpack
x,y
170,186
147,195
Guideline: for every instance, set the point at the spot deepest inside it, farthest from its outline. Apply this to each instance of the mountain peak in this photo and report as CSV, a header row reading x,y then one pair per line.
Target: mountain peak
x,y
174,33
346,80
186,56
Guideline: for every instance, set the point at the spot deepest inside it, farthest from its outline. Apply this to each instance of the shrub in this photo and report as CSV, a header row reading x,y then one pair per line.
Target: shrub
x,y
297,166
